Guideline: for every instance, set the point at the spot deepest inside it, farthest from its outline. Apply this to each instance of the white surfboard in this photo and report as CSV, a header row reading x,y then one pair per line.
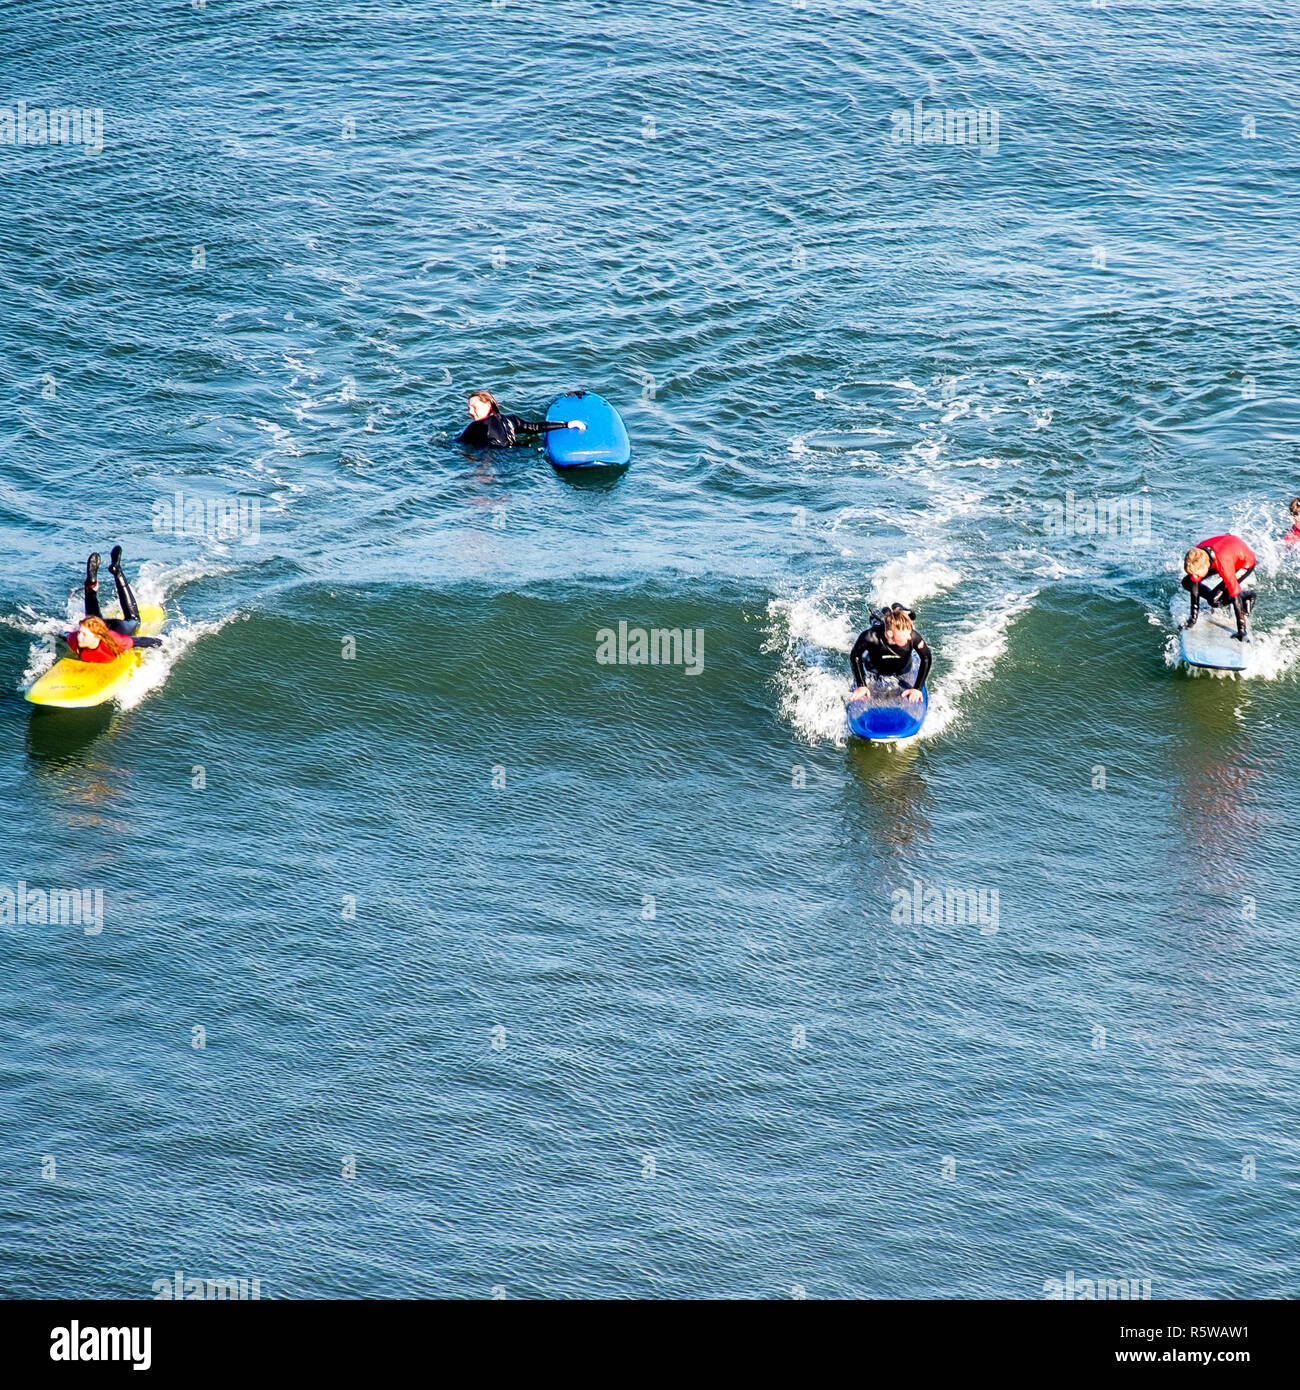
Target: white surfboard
x,y
1213,640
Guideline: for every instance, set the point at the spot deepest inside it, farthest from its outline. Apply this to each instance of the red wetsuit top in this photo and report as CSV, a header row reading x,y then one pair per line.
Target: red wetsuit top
x,y
1228,555
101,652
1292,537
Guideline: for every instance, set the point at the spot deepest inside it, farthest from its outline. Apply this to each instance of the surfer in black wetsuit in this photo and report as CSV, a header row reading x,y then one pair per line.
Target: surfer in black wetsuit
x,y
891,646
491,428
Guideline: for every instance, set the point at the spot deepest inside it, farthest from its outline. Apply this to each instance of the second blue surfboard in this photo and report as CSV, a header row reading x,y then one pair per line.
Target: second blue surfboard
x,y
603,444
887,717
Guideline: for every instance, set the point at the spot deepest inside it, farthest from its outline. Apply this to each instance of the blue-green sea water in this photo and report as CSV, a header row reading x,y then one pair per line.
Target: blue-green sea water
x,y
437,957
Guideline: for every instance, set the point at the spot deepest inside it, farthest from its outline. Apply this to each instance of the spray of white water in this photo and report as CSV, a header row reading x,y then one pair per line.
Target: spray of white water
x,y
815,632
152,587
1274,631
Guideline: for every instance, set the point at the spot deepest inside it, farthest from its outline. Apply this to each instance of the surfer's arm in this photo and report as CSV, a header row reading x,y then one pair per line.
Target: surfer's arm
x,y
546,426
922,649
522,426
146,641
856,658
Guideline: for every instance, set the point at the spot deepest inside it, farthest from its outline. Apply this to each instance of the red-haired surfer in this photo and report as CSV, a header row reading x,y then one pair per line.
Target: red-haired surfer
x,y
105,639
1214,571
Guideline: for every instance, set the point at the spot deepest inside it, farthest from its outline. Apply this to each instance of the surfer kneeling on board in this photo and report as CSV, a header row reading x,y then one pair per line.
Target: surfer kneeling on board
x,y
489,428
105,639
891,646
1213,571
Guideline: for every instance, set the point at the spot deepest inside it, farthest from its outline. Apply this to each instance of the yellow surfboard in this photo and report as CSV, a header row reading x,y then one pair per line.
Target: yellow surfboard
x,y
74,684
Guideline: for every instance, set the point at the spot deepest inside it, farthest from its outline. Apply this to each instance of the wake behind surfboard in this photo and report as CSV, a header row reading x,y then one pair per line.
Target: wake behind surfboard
x,y
1212,641
74,684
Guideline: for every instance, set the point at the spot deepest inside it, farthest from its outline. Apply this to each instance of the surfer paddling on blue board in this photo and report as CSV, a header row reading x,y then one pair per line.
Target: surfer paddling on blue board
x,y
105,639
491,428
891,646
1213,570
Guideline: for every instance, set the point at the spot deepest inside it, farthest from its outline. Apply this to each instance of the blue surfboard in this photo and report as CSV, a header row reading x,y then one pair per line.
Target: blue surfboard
x,y
603,444
1212,641
886,717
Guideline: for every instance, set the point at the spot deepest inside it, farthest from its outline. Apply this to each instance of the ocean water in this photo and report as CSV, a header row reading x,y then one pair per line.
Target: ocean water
x,y
439,958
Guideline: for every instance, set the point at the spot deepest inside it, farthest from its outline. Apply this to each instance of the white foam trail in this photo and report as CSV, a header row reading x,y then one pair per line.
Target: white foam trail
x,y
806,621
1261,526
812,702
812,682
156,580
283,438
911,578
1275,654
42,654
1044,566
928,451
158,662
970,655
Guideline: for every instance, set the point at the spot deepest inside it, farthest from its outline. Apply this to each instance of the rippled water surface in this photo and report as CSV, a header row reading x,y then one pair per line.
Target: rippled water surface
x,y
518,970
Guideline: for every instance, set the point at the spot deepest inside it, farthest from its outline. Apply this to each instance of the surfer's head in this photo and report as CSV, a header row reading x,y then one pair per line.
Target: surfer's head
x,y
1196,562
898,625
482,404
92,631
1295,507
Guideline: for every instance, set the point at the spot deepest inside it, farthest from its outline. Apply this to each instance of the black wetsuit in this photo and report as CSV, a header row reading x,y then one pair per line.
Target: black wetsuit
x,y
129,622
873,656
497,431
1214,592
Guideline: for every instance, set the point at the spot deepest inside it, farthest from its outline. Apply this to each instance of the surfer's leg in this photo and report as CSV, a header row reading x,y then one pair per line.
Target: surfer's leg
x,y
1247,595
130,609
1244,601
89,591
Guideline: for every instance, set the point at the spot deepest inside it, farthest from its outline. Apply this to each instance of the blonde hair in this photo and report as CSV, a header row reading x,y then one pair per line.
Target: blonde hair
x,y
897,617
1196,559
105,633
